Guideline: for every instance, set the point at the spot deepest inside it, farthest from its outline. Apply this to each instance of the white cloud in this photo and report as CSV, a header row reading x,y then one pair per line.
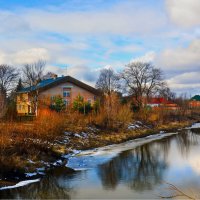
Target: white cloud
x,y
24,56
148,57
185,13
123,18
181,58
12,23
30,55
185,81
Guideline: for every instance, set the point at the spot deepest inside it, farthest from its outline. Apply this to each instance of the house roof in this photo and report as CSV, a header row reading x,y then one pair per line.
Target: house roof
x,y
159,100
52,82
196,98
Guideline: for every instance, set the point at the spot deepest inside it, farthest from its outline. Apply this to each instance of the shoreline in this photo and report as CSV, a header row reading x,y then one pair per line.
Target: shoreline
x,y
92,142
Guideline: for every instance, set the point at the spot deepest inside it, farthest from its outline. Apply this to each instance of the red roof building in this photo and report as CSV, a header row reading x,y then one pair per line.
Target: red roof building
x,y
195,101
161,102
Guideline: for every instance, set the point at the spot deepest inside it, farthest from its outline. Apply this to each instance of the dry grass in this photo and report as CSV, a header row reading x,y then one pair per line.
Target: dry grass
x,y
29,140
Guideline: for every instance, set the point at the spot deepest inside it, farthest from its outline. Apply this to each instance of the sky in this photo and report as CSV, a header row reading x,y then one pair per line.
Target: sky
x,y
81,37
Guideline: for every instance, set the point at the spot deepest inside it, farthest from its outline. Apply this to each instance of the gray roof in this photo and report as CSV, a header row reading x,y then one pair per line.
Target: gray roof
x,y
48,83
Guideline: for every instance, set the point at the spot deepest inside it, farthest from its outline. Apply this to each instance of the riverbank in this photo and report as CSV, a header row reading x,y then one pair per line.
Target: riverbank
x,y
38,155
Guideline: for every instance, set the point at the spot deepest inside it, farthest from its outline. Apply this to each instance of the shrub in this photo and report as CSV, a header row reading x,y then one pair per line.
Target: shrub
x,y
81,106
113,114
58,104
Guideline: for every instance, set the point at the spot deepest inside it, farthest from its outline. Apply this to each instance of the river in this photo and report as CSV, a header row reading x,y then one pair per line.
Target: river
x,y
138,169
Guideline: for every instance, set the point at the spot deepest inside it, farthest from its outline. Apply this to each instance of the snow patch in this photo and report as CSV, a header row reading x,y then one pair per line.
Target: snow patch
x,y
197,125
30,161
161,132
40,169
58,162
31,174
20,184
135,125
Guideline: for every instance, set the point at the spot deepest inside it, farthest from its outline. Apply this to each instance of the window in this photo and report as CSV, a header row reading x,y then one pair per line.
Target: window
x,y
66,93
66,102
19,107
89,101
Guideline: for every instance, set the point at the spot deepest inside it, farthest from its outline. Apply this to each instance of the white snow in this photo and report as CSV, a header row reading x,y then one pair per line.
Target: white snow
x,y
135,125
31,174
81,135
197,125
58,162
30,161
68,133
20,184
40,169
77,135
161,132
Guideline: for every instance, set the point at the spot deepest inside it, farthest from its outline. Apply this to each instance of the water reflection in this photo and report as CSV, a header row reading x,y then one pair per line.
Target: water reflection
x,y
53,186
143,168
140,169
186,139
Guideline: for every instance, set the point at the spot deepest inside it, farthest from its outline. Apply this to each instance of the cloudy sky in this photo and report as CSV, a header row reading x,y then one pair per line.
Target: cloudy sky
x,y
79,37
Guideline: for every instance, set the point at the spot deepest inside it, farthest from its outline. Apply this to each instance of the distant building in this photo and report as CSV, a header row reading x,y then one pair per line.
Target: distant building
x,y
156,102
153,102
194,101
50,75
66,87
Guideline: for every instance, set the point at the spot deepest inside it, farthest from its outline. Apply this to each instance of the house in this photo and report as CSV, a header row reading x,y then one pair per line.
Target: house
x,y
66,87
194,101
157,102
153,102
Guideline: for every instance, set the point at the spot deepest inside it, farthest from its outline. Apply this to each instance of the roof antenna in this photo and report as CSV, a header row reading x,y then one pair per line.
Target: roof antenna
x,y
66,69
65,72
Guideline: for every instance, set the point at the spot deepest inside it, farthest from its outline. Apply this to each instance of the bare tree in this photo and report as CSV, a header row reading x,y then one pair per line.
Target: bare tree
x,y
108,81
32,75
142,80
183,106
8,78
167,93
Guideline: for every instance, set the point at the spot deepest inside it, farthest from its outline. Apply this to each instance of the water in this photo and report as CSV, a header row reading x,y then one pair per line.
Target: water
x,y
135,170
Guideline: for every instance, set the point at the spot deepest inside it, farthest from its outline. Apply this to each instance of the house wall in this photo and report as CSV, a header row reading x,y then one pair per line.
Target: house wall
x,y
75,91
22,103
194,104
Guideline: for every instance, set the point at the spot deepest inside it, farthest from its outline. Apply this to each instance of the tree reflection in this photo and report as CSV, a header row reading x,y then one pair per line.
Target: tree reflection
x,y
185,140
53,186
140,168
196,130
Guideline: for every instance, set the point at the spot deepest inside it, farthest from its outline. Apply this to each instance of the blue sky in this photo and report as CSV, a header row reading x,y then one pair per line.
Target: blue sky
x,y
79,37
